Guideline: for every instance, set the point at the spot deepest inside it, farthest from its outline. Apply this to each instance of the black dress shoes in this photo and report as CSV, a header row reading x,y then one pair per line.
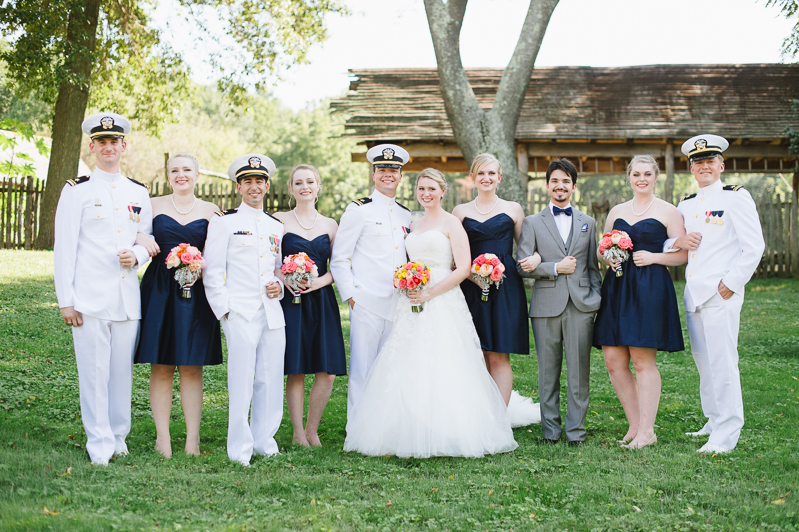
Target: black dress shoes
x,y
576,443
550,442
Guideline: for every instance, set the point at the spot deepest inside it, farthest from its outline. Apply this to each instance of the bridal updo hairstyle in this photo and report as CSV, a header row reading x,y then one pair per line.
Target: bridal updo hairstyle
x,y
648,159
482,160
435,175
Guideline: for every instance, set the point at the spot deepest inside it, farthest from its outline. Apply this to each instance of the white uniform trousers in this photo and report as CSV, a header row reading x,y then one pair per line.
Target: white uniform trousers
x,y
104,352
368,333
254,377
713,329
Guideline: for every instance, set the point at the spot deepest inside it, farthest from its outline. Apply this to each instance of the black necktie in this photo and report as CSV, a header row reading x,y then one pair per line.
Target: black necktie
x,y
557,210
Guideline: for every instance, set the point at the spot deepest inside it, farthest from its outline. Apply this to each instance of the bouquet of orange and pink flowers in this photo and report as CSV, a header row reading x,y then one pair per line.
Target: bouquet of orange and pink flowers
x,y
615,247
487,269
411,276
189,263
299,269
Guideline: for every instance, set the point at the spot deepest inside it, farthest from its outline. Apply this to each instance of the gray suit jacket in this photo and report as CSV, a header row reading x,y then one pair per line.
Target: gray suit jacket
x,y
550,294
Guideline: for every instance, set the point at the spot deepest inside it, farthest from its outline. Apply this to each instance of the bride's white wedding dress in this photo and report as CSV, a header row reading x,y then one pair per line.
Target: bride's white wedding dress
x,y
428,393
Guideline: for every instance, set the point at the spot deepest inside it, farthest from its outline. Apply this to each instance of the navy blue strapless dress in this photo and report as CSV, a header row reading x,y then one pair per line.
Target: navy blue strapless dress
x,y
174,330
314,342
640,307
501,322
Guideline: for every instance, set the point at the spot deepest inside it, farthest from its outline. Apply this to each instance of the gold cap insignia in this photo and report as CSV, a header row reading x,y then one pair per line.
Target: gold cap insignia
x,y
388,154
700,144
255,162
107,122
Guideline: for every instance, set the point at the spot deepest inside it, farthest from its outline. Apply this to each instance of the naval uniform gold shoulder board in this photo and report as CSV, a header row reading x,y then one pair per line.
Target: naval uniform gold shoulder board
x,y
733,187
688,197
140,183
362,201
77,180
403,206
273,218
229,211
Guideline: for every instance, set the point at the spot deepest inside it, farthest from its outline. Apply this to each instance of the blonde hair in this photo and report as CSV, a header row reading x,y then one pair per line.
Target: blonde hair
x,y
435,175
483,160
648,159
299,167
183,155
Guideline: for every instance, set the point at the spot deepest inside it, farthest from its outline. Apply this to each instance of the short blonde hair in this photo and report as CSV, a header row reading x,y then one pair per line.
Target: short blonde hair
x,y
299,167
435,175
483,160
648,159
183,155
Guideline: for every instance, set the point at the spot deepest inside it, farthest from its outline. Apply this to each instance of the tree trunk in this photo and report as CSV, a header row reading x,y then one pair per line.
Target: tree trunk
x,y
477,131
70,108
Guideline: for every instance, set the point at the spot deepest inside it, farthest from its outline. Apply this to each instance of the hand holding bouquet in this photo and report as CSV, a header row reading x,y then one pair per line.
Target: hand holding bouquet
x,y
299,269
487,269
411,276
615,247
189,262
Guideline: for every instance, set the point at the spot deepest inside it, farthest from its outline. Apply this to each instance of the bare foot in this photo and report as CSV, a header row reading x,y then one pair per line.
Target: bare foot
x,y
165,448
630,436
313,439
642,441
192,448
301,440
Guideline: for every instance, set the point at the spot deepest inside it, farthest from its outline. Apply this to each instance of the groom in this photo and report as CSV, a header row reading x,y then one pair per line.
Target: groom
x,y
565,297
369,246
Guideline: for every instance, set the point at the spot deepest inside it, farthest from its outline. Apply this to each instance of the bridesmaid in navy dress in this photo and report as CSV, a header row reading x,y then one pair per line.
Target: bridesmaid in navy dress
x,y
493,224
314,342
175,331
639,313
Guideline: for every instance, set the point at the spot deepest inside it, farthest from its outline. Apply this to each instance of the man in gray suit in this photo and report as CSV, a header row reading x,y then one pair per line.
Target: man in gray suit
x,y
565,297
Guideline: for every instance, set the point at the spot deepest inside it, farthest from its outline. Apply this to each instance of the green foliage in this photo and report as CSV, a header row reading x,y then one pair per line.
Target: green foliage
x,y
19,162
597,487
789,9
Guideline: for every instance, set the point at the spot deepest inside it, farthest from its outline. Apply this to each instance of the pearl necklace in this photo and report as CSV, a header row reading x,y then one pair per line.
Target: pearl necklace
x,y
489,210
316,218
172,198
632,206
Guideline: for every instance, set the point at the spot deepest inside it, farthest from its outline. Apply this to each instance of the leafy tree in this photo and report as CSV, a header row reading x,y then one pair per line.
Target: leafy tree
x,y
19,162
493,130
68,51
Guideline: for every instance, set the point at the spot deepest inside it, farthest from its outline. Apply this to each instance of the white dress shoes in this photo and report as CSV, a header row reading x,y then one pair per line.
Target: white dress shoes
x,y
698,433
712,448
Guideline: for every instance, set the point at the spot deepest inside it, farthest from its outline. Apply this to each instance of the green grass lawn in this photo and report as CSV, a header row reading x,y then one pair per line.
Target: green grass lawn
x,y
43,464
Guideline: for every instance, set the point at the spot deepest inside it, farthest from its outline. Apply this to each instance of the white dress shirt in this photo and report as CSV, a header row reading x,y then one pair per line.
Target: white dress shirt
x,y
369,247
731,250
94,220
242,251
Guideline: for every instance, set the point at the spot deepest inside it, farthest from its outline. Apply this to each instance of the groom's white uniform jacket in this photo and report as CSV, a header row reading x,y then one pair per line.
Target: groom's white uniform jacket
x,y
370,246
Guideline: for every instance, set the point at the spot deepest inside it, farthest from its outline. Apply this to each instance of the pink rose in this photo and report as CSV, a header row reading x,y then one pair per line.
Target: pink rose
x,y
605,243
403,283
495,261
172,260
481,259
625,243
496,274
186,257
291,267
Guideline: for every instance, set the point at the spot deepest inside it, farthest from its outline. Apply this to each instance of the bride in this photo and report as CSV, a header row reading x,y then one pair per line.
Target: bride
x,y
428,393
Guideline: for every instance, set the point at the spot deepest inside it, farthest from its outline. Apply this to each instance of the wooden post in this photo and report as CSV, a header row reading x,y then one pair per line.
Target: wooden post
x,y
166,170
779,237
29,212
794,233
668,192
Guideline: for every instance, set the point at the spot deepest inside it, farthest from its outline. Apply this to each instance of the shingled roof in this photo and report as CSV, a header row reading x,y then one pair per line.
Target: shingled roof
x,y
749,102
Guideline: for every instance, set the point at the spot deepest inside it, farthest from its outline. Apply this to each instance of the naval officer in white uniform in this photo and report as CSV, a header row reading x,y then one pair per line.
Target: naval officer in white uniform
x,y
96,223
370,245
242,255
725,244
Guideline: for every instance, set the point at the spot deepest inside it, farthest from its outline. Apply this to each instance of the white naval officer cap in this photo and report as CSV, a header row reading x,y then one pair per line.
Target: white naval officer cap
x,y
704,147
106,126
387,156
251,165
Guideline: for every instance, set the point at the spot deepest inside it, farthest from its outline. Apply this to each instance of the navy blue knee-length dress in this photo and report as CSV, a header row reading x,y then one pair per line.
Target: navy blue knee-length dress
x,y
501,322
640,308
174,330
314,341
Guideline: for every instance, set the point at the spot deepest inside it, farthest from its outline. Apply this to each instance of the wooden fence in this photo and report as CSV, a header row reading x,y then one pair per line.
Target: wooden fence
x,y
20,199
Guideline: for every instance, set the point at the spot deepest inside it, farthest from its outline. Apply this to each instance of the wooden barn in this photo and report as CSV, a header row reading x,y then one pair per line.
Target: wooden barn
x,y
598,117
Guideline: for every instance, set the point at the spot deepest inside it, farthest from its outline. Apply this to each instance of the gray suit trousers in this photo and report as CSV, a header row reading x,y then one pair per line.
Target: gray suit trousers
x,y
571,332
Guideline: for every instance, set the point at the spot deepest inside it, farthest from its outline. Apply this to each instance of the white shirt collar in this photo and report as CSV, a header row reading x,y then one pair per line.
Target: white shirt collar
x,y
252,211
382,198
105,176
712,188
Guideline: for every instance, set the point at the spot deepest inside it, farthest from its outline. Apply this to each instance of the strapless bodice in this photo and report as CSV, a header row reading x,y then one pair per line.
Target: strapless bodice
x,y
431,248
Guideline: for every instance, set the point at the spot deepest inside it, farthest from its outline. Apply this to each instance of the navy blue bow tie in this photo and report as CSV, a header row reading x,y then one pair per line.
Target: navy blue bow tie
x,y
557,210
